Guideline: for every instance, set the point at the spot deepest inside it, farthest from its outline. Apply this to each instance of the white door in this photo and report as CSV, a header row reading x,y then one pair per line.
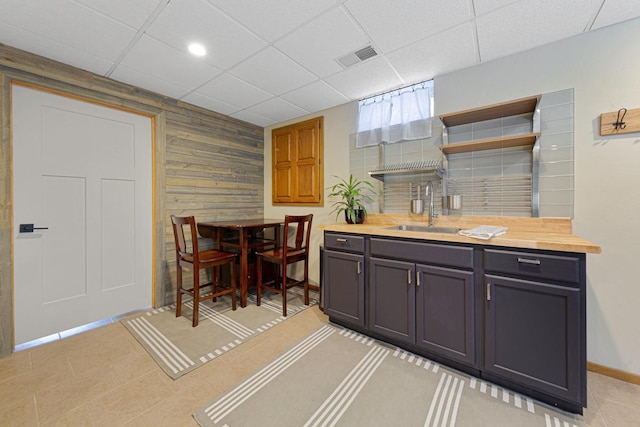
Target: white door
x,y
83,171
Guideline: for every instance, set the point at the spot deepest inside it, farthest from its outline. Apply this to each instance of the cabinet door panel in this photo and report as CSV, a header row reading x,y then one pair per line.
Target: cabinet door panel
x,y
533,335
344,286
445,312
392,299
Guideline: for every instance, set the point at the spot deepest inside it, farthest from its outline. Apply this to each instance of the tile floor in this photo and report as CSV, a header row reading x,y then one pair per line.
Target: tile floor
x,y
103,377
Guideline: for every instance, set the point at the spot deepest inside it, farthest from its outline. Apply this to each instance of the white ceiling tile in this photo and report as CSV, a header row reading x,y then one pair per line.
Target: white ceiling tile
x,y
315,97
615,11
530,23
51,49
278,110
484,6
233,91
156,59
274,72
365,79
145,81
392,25
271,19
70,24
187,21
132,13
203,101
254,118
447,51
317,44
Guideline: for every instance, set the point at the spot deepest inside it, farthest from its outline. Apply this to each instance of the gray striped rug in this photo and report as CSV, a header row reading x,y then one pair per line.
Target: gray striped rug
x,y
178,348
338,377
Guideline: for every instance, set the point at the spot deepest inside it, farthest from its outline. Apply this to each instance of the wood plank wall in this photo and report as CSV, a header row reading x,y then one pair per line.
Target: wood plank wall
x,y
206,164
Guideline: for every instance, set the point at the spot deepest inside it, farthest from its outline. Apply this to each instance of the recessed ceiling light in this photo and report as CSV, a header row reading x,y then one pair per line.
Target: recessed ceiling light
x,y
197,49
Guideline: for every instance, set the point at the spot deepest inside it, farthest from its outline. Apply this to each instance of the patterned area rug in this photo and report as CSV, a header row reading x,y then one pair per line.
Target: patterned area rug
x,y
338,377
178,348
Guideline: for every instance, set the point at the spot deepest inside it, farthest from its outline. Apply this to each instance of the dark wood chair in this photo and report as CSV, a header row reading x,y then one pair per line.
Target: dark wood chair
x,y
285,255
197,260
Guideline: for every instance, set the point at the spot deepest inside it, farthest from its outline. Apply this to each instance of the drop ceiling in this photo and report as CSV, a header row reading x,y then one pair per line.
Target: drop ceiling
x,y
272,60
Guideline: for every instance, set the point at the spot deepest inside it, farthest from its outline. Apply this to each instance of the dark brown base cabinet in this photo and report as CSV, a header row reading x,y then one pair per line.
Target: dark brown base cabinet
x,y
344,300
514,317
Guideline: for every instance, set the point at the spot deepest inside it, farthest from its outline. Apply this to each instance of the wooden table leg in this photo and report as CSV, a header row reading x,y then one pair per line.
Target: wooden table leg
x,y
244,266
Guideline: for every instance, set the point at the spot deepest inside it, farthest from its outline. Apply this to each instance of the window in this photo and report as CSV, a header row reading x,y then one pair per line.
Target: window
x,y
400,115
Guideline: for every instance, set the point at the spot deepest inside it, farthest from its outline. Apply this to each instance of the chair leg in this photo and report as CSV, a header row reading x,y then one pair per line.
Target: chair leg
x,y
233,284
284,289
214,282
179,291
306,282
258,279
196,296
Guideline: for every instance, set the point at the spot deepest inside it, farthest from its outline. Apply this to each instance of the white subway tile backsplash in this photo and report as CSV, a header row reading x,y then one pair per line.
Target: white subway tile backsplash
x,y
517,130
557,197
549,183
519,120
556,154
556,181
487,133
556,168
557,211
392,159
516,157
556,126
487,171
556,98
556,112
556,140
460,137
486,125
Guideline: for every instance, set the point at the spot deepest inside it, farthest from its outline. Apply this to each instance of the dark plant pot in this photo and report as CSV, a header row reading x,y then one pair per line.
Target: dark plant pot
x,y
359,217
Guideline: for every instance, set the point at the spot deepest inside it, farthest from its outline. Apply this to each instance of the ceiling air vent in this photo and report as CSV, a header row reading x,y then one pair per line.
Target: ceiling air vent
x,y
358,56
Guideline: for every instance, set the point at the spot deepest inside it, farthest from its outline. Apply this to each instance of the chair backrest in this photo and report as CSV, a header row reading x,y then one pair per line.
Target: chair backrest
x,y
178,233
303,232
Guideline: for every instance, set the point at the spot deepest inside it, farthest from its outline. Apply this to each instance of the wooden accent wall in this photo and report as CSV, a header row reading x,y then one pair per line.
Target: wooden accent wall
x,y
205,164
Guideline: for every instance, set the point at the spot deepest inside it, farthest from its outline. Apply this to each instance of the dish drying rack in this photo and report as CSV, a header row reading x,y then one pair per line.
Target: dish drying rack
x,y
423,168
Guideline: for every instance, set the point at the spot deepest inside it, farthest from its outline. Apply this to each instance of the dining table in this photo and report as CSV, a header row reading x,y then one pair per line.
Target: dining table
x,y
247,236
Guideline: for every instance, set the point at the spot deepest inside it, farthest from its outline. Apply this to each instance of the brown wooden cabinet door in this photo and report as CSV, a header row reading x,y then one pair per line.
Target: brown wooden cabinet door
x,y
282,171
297,163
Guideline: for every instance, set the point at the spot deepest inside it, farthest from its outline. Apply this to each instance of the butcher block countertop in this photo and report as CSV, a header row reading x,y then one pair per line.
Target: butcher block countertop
x,y
553,234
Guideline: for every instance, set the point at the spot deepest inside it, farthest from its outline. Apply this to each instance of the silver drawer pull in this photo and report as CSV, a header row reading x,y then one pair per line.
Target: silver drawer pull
x,y
529,261
341,240
409,277
359,267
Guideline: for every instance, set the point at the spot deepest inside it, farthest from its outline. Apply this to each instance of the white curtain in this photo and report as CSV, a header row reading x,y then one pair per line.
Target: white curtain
x,y
401,115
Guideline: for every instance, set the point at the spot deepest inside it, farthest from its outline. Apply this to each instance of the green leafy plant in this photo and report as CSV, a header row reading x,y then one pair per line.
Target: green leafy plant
x,y
349,197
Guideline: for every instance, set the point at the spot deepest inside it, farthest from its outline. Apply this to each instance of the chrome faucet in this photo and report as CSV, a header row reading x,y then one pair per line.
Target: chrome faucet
x,y
432,211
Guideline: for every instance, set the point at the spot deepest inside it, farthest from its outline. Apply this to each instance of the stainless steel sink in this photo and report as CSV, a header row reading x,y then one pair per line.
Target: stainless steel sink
x,y
425,229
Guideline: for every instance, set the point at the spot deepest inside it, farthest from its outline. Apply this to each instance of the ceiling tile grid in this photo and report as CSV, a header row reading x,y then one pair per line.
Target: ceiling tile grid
x,y
273,60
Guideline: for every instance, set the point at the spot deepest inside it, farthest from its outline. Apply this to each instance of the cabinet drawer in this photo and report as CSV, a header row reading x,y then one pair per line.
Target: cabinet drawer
x,y
551,267
454,256
345,242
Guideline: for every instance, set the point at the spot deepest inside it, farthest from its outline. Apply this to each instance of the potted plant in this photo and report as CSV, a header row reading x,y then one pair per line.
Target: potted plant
x,y
349,197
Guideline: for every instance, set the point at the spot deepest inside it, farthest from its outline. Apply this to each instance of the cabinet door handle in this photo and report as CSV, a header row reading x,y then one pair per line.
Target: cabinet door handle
x,y
488,291
418,274
341,240
529,261
409,277
359,267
